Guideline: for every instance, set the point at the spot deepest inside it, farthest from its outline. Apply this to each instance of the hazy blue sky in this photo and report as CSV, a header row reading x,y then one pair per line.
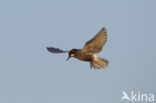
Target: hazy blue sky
x,y
30,74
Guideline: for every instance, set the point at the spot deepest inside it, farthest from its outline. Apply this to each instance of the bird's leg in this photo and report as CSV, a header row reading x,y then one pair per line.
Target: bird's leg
x,y
93,64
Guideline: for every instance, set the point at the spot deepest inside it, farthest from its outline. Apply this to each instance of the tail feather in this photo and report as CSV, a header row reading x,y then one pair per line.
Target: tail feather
x,y
98,63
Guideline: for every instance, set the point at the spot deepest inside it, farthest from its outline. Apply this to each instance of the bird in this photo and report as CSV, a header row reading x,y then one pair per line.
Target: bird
x,y
89,51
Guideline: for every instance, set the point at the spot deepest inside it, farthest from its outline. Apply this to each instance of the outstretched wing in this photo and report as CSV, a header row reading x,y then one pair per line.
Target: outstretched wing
x,y
95,45
55,50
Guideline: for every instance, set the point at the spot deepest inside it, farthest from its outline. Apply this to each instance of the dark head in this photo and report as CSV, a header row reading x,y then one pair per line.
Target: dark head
x,y
72,53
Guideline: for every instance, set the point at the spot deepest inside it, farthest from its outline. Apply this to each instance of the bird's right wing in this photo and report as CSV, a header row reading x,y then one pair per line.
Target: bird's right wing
x,y
56,50
95,45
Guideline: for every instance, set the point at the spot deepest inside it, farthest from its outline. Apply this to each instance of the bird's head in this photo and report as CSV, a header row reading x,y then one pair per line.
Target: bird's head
x,y
72,53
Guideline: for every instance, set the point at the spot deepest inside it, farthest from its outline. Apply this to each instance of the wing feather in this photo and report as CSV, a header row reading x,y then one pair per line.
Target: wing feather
x,y
95,45
55,50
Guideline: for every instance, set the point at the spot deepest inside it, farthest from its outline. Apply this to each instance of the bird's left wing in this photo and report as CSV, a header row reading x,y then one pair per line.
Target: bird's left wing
x,y
96,43
56,50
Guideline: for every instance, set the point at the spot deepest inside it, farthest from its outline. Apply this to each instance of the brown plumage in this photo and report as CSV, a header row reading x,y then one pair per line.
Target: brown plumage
x,y
92,46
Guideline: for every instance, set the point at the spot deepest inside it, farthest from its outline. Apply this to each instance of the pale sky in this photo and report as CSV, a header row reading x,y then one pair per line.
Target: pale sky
x,y
30,74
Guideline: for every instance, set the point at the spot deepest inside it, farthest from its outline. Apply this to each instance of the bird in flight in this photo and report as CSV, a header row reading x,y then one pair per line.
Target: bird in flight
x,y
88,52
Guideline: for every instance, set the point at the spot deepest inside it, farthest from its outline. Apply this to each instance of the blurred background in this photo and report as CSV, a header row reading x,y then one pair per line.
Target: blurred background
x,y
30,74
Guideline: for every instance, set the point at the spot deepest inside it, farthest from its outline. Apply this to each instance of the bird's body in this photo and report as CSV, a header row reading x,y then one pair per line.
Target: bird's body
x,y
94,45
81,55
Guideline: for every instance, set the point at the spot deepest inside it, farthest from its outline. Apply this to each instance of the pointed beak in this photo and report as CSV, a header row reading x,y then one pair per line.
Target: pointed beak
x,y
68,58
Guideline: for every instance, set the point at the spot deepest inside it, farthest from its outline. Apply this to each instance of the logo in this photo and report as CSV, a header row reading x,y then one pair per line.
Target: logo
x,y
137,97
